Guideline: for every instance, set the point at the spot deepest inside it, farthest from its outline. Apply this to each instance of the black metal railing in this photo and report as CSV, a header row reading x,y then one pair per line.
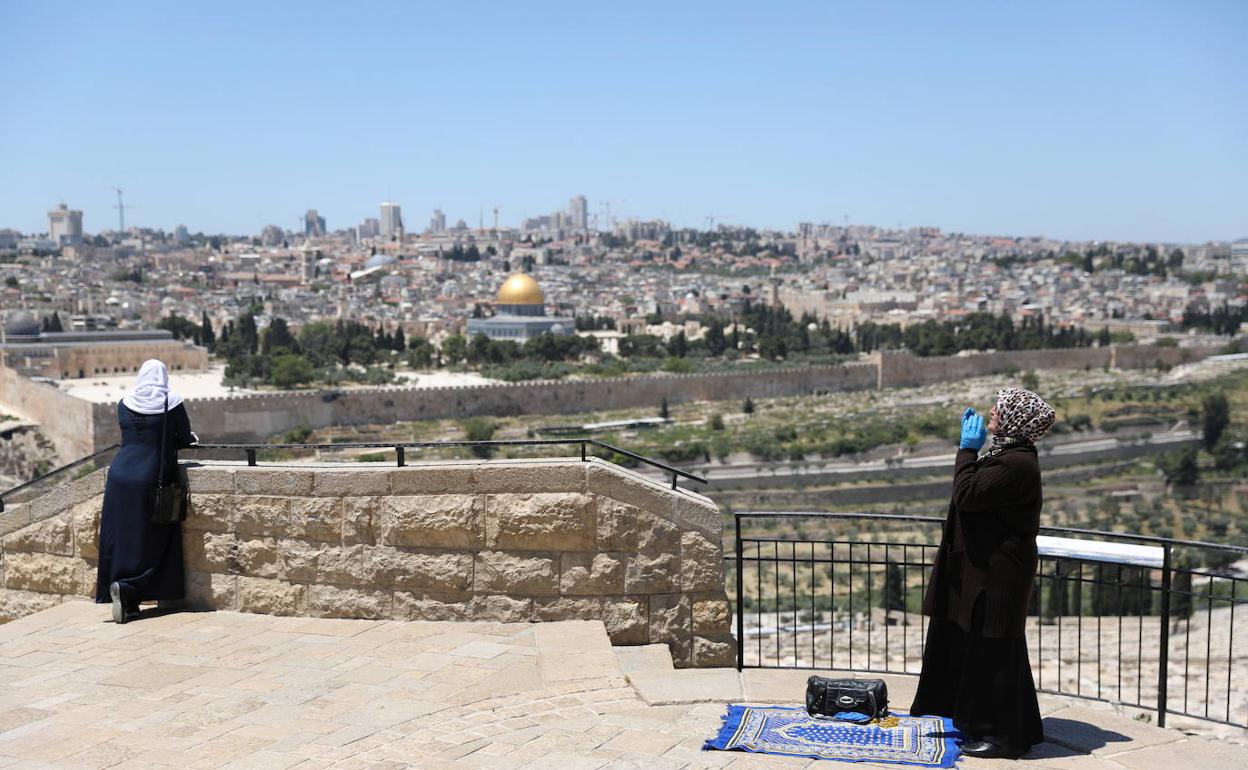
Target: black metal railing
x,y
1127,630
32,486
251,452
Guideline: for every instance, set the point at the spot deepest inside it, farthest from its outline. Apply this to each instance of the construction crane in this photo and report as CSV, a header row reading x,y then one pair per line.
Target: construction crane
x,y
121,211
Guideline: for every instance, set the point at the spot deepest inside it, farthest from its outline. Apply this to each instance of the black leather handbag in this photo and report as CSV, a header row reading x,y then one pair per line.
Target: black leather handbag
x,y
166,500
829,697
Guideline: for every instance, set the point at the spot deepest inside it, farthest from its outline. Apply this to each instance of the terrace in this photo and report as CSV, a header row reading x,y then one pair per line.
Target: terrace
x,y
527,647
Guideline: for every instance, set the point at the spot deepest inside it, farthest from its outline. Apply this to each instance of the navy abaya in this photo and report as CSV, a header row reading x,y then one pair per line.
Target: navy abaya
x,y
145,558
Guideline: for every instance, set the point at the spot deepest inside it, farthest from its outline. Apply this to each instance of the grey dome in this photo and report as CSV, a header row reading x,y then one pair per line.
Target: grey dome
x,y
379,260
22,324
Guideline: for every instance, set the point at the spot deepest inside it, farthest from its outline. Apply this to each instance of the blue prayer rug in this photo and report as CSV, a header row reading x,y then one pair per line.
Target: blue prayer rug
x,y
924,741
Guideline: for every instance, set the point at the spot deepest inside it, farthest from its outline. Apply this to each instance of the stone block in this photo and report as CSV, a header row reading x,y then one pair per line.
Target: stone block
x,y
711,617
693,511
59,499
591,574
211,591
210,552
701,563
16,604
413,571
433,521
714,652
352,483
518,574
657,574
258,558
52,535
544,521
14,517
624,527
259,515
84,520
271,597
564,608
297,560
433,479
530,477
670,624
273,481
208,480
608,480
626,620
418,606
503,609
335,602
209,512
43,572
361,518
341,565
318,518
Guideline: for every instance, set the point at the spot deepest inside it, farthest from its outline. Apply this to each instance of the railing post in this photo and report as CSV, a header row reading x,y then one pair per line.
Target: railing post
x,y
584,457
736,520
1163,663
251,457
398,451
673,479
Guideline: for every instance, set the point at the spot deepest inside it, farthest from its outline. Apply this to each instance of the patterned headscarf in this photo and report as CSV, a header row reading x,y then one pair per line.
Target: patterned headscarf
x,y
1022,418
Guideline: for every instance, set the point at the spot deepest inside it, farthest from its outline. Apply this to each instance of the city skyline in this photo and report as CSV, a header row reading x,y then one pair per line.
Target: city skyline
x,y
1121,122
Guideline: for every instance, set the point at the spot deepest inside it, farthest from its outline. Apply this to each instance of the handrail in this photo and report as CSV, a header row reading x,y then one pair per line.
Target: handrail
x,y
401,446
1043,528
53,472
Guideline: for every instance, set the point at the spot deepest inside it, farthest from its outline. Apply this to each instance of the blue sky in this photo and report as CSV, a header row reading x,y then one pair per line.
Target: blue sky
x,y
1114,120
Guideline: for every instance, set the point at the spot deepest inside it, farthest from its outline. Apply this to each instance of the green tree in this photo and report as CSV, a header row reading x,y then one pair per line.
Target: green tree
x,y
1030,381
1229,454
1055,604
1215,416
894,588
454,350
278,339
290,369
207,337
717,421
748,406
1180,468
663,410
480,429
54,323
1181,594
318,341
420,353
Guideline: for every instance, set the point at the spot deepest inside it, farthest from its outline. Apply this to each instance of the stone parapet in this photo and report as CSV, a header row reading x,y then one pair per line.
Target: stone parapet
x,y
511,541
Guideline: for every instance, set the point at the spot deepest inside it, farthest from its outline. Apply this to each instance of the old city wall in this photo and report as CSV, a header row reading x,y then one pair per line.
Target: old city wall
x,y
68,422
257,418
511,541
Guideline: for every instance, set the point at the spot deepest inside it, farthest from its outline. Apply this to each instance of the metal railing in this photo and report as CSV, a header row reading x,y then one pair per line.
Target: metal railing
x,y
609,452
1098,629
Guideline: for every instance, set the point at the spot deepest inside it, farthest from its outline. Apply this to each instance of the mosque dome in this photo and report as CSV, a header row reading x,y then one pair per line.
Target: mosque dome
x,y
520,289
22,324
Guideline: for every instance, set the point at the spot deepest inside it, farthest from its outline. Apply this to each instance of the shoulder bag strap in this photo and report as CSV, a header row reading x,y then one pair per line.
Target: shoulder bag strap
x,y
164,429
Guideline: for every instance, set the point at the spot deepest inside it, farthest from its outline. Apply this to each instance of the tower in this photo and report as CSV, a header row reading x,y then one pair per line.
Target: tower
x,y
391,220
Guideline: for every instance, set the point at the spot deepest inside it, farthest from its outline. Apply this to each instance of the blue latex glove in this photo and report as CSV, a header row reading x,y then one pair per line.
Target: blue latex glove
x,y
973,433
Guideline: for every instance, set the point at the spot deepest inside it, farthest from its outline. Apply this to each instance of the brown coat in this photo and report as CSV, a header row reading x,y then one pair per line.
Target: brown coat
x,y
989,542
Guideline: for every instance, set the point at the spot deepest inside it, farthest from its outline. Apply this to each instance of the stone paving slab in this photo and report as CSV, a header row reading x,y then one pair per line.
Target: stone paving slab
x,y
230,690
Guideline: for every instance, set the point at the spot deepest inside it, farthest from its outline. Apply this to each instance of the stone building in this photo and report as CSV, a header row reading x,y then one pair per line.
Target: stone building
x,y
520,314
76,354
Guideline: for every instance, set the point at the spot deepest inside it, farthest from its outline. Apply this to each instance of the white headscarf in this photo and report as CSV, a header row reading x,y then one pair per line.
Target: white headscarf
x,y
148,396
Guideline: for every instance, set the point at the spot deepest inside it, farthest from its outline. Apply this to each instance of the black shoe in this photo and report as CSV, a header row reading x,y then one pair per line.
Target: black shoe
x,y
986,749
119,609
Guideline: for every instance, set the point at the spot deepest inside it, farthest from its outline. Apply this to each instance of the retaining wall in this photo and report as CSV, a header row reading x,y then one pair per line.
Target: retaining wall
x,y
69,423
510,541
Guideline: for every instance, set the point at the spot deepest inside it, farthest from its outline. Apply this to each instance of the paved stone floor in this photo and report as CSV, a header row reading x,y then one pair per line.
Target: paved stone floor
x,y
230,690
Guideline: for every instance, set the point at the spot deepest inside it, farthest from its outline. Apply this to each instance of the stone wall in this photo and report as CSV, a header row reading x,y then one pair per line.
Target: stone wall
x,y
68,422
511,541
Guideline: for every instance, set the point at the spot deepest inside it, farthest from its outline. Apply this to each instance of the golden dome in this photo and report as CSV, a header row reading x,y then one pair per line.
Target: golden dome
x,y
520,289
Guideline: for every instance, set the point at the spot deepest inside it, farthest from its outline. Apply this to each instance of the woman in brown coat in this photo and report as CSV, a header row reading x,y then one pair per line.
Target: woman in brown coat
x,y
975,665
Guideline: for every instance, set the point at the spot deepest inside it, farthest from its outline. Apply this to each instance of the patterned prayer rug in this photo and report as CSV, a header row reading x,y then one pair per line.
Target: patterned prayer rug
x,y
924,741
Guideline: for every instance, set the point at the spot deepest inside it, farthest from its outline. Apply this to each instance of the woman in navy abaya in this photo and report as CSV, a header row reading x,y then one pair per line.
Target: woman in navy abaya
x,y
141,561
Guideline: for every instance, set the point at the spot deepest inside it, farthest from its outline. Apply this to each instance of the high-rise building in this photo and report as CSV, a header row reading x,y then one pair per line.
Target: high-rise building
x,y
391,220
65,226
578,212
313,225
181,234
437,224
371,228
